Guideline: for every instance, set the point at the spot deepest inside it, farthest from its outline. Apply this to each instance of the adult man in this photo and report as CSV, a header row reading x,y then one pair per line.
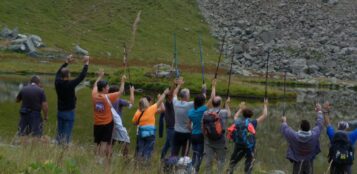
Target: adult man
x,y
182,132
66,98
217,148
304,144
247,150
103,118
33,100
169,116
349,140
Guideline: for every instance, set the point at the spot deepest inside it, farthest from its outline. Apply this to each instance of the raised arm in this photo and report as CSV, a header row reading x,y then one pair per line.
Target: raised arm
x,y
326,110
264,115
241,107
213,94
68,60
227,107
132,98
178,82
122,84
100,77
83,73
162,97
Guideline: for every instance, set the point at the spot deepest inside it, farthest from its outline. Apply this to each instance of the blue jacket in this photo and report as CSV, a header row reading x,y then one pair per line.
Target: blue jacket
x,y
351,135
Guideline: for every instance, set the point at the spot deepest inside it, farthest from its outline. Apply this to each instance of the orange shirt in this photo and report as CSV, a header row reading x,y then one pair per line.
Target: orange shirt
x,y
102,112
148,118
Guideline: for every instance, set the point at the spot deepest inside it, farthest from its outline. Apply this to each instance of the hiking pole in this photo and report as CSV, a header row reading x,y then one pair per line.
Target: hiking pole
x,y
126,66
284,98
177,73
201,58
230,74
266,76
220,54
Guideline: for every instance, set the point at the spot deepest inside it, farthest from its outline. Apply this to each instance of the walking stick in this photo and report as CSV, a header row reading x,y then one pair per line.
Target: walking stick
x,y
126,66
230,74
177,73
266,76
201,58
284,99
220,54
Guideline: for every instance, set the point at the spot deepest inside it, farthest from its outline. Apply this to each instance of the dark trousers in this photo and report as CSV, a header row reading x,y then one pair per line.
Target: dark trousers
x,y
238,154
169,137
30,124
347,169
197,150
303,167
145,147
65,120
180,141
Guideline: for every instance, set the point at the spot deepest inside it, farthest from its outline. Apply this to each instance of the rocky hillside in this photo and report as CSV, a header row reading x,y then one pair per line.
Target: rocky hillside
x,y
308,38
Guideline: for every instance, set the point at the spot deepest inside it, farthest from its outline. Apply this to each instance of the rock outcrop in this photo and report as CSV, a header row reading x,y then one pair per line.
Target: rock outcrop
x,y
308,38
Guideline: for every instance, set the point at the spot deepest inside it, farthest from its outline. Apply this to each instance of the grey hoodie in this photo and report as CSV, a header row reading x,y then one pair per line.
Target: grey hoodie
x,y
303,145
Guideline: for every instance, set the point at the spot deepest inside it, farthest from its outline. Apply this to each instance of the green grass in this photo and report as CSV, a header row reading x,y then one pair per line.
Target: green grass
x,y
102,26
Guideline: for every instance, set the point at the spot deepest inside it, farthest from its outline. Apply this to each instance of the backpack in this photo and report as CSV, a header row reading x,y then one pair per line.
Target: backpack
x,y
241,136
341,151
212,126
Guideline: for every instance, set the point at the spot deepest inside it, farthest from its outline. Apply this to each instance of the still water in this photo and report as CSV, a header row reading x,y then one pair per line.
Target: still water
x,y
271,146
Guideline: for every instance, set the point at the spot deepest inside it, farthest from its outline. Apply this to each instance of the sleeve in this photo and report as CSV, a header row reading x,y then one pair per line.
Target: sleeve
x,y
287,132
58,73
153,108
135,117
123,103
319,124
330,132
113,96
174,100
81,76
353,136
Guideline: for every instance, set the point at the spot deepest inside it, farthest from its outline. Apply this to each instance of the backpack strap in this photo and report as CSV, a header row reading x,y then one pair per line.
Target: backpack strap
x,y
141,115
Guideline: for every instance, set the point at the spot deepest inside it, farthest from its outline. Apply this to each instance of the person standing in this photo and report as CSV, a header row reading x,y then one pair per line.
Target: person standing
x,y
216,149
66,98
342,142
144,118
304,144
103,118
119,135
169,117
33,100
244,138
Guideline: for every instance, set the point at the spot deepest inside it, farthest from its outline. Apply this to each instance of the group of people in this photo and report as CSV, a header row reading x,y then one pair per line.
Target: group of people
x,y
201,123
304,144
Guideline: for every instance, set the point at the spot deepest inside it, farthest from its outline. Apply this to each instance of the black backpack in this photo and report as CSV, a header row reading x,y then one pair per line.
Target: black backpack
x,y
341,151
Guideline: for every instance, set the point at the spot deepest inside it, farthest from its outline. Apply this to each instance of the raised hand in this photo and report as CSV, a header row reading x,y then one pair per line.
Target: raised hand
x,y
86,60
283,119
100,73
318,107
214,82
69,59
326,107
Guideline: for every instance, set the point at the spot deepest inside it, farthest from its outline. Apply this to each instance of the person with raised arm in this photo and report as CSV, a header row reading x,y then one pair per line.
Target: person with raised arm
x,y
66,98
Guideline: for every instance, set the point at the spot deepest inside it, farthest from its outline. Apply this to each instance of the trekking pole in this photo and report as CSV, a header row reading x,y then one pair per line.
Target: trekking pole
x,y
201,58
266,76
230,74
329,167
177,73
125,61
284,99
220,54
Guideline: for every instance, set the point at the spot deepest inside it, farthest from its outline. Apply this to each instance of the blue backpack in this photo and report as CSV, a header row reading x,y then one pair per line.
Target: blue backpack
x,y
341,151
241,136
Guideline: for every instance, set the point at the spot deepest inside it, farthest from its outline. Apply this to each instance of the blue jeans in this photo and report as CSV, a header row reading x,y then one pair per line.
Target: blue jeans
x,y
197,148
65,120
169,135
30,123
145,147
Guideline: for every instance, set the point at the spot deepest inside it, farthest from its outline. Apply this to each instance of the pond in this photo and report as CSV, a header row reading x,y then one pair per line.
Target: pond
x,y
271,146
